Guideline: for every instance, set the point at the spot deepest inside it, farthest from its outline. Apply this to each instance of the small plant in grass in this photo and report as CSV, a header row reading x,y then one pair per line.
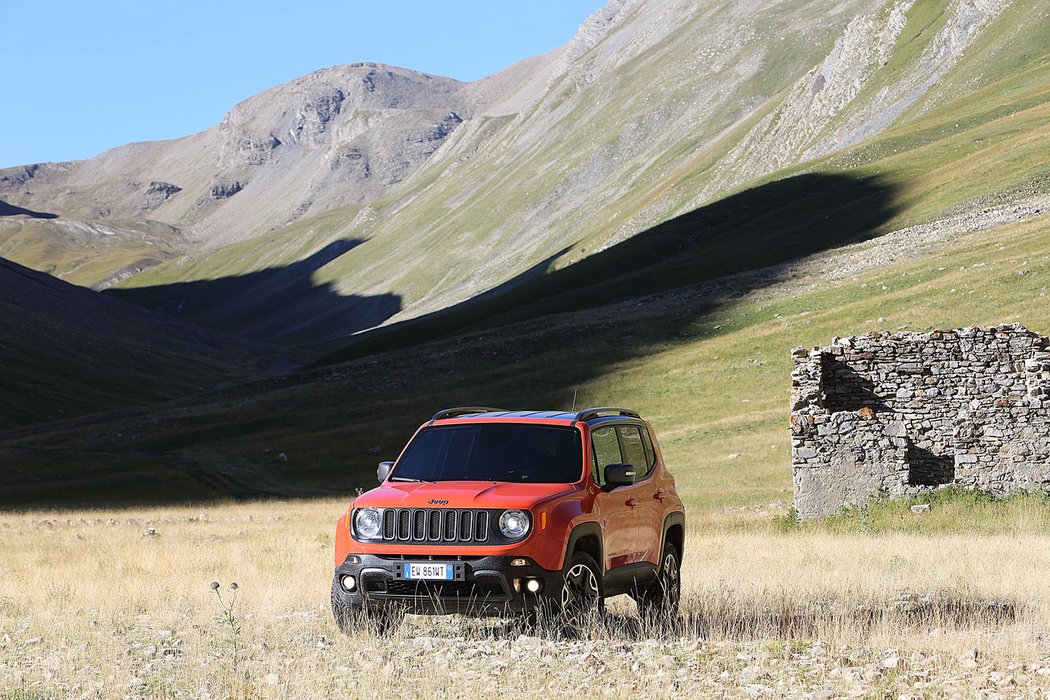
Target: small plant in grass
x,y
786,522
228,617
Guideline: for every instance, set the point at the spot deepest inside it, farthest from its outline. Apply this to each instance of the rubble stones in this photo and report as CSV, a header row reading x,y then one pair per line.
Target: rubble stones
x,y
225,190
901,414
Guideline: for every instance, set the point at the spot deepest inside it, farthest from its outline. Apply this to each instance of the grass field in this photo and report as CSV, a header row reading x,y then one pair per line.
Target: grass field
x,y
94,605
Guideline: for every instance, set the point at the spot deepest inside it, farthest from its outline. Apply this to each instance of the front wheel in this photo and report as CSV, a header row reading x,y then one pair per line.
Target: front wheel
x,y
582,598
381,620
660,602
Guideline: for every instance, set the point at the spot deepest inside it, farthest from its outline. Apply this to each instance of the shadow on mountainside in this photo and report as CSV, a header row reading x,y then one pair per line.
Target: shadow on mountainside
x,y
11,210
773,224
279,304
322,431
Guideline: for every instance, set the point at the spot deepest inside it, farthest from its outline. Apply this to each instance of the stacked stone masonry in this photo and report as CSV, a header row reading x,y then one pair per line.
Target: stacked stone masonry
x,y
899,414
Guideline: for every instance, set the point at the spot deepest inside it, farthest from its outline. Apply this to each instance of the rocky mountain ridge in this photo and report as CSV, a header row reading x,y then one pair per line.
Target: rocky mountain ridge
x,y
338,136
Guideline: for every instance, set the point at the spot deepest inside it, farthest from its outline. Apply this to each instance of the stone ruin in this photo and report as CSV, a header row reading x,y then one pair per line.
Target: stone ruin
x,y
902,414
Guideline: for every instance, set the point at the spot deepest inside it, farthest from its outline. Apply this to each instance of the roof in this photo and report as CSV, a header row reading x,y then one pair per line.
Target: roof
x,y
473,413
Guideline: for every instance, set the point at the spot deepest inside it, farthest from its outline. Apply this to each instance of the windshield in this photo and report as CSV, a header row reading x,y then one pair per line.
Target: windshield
x,y
540,454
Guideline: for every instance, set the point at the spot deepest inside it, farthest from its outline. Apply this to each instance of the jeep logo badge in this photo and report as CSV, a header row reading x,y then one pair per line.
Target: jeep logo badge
x,y
436,502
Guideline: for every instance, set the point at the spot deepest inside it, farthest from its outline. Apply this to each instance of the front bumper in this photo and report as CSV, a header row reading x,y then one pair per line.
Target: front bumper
x,y
482,585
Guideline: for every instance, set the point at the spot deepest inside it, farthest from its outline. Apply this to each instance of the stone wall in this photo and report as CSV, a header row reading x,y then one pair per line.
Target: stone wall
x,y
904,413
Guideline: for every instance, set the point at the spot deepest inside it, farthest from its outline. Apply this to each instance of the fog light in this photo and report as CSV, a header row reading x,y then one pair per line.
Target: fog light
x,y
353,559
348,583
534,585
519,562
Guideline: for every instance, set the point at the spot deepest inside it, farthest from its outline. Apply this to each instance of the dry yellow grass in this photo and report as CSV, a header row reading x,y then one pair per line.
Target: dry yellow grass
x,y
92,605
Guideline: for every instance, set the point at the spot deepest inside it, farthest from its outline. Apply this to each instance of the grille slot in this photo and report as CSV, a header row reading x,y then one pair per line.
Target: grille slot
x,y
466,525
451,521
419,529
483,588
404,523
428,525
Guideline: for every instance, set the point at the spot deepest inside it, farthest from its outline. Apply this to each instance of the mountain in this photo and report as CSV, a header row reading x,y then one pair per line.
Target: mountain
x,y
68,351
655,108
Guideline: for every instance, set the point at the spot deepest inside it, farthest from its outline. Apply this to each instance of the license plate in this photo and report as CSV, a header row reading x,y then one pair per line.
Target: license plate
x,y
429,572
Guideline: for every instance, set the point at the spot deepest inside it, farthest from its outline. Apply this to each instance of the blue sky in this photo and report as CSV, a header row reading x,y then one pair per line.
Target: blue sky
x,y
81,77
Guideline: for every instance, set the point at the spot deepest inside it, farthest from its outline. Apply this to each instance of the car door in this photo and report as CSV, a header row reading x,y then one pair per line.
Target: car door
x,y
643,525
620,509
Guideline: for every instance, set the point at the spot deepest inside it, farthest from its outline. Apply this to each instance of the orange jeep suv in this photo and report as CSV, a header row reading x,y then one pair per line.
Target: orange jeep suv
x,y
489,511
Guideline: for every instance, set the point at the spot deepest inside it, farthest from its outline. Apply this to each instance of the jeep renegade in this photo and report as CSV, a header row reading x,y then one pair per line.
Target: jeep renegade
x,y
489,511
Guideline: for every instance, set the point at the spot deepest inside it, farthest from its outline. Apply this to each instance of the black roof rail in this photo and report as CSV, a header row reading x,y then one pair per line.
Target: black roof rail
x,y
588,413
464,411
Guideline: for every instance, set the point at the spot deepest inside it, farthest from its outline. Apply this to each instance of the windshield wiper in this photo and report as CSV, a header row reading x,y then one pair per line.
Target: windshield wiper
x,y
408,478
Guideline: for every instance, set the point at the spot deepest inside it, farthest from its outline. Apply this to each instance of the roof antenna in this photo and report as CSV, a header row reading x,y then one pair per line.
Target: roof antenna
x,y
574,399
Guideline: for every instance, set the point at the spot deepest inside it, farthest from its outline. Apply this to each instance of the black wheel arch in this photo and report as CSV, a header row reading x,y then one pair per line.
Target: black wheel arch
x,y
674,532
586,537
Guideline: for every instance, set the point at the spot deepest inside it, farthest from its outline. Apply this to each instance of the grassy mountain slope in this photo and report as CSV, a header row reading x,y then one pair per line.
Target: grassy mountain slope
x,y
88,254
67,351
739,97
274,296
985,148
505,193
708,364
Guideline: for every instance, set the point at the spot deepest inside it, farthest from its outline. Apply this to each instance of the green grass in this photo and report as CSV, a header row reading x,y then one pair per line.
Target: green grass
x,y
275,249
83,258
27,693
950,510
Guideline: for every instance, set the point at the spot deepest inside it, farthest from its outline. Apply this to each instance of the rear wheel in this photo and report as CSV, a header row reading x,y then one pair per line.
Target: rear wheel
x,y
581,599
660,602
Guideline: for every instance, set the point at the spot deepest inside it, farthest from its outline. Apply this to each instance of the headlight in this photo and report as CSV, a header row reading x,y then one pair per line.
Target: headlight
x,y
514,524
367,523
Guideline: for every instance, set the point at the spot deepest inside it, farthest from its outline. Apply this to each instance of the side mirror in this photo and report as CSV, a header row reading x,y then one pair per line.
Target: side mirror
x,y
384,470
619,475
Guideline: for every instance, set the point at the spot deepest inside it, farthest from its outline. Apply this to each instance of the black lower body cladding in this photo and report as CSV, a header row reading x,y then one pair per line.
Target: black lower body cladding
x,y
480,585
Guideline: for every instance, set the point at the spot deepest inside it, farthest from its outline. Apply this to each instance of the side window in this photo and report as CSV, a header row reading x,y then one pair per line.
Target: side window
x,y
633,449
650,453
606,452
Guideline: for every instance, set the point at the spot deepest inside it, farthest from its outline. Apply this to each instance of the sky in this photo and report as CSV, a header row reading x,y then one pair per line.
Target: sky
x,y
81,77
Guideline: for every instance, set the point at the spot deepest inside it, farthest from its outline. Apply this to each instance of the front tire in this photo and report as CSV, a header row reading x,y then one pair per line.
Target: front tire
x,y
582,598
345,614
380,620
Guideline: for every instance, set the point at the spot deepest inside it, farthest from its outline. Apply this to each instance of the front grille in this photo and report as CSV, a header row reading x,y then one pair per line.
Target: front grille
x,y
423,525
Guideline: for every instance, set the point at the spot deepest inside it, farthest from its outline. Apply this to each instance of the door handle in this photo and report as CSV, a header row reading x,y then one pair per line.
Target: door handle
x,y
631,502
659,495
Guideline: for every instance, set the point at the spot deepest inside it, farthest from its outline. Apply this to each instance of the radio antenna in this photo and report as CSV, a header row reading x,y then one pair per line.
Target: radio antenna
x,y
574,399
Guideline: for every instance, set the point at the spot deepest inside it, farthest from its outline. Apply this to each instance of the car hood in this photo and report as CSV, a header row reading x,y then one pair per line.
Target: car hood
x,y
458,494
